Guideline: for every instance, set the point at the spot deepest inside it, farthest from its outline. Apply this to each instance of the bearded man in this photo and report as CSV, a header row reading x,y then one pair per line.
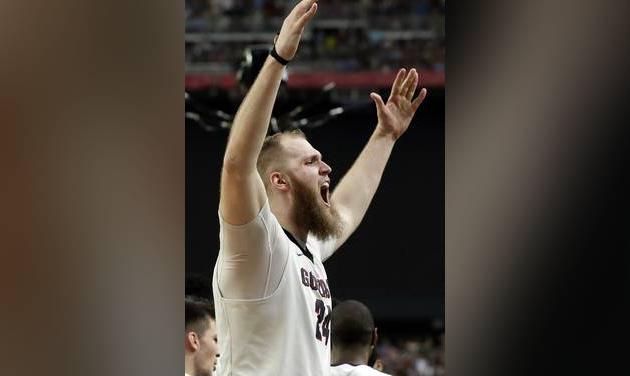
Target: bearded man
x,y
279,222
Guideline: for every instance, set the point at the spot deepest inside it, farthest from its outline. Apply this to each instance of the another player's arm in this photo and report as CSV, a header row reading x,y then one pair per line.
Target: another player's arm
x,y
356,189
242,190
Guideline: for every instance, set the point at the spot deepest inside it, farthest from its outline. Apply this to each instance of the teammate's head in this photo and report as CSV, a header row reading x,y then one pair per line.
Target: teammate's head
x,y
200,341
198,285
296,177
353,331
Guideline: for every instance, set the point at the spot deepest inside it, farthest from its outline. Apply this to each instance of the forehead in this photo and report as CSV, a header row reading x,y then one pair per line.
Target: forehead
x,y
212,329
298,147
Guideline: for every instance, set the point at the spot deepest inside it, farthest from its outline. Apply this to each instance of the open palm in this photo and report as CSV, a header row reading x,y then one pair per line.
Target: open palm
x,y
395,116
286,42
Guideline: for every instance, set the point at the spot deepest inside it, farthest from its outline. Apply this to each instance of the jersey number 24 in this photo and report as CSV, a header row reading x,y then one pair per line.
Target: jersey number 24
x,y
322,327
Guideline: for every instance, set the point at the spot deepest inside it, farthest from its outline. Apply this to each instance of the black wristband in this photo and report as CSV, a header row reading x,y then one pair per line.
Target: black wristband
x,y
279,58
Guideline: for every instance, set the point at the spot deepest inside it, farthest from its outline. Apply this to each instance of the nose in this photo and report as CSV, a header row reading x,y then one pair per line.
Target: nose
x,y
325,169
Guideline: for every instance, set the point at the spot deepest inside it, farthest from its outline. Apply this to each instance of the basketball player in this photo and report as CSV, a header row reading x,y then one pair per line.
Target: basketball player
x,y
354,338
200,340
279,222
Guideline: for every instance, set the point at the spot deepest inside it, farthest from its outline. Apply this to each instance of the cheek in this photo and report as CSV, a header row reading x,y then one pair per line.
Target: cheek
x,y
209,350
308,174
212,348
312,181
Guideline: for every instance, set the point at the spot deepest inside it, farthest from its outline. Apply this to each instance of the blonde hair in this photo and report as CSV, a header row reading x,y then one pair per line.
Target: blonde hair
x,y
270,156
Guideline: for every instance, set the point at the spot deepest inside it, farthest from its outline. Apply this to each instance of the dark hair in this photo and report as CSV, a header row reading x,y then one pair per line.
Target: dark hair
x,y
335,301
197,311
373,356
352,324
198,285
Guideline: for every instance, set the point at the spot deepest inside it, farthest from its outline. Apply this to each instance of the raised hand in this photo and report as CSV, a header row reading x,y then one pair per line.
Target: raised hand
x,y
395,116
288,39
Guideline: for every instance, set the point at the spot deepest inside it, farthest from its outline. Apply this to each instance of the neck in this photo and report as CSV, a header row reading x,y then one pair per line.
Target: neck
x,y
188,366
295,231
355,357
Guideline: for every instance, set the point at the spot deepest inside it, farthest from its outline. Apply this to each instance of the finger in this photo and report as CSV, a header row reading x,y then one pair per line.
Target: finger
x,y
416,102
302,7
380,106
301,22
397,85
406,85
414,84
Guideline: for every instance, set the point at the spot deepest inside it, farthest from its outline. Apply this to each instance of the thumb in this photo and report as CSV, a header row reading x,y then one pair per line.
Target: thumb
x,y
380,106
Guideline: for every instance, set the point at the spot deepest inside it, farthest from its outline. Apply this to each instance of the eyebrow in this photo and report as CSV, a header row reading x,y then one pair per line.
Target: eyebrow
x,y
314,155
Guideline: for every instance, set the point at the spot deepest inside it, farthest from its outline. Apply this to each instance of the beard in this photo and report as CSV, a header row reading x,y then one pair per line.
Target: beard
x,y
322,222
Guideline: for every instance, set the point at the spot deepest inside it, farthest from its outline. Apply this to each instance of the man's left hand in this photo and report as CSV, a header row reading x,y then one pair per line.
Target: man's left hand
x,y
395,116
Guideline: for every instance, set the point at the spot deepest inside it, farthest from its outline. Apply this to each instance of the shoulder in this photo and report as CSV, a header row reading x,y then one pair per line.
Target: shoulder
x,y
263,233
367,371
350,370
322,249
341,370
265,221
264,214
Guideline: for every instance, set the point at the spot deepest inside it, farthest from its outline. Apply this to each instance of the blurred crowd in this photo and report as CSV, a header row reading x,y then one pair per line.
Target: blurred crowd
x,y
412,357
261,15
348,35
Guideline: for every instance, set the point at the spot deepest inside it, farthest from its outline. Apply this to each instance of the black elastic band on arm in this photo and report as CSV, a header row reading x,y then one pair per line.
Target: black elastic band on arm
x,y
279,58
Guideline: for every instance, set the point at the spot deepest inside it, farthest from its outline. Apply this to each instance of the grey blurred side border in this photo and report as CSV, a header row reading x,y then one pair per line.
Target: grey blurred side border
x,y
536,187
92,207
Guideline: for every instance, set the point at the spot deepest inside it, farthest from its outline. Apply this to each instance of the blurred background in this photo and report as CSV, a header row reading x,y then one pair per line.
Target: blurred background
x,y
394,262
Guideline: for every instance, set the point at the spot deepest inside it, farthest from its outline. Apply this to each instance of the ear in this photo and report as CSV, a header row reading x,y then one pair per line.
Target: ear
x,y
374,337
279,181
191,342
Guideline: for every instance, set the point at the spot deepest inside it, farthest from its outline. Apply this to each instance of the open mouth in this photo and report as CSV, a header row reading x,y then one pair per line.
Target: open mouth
x,y
324,191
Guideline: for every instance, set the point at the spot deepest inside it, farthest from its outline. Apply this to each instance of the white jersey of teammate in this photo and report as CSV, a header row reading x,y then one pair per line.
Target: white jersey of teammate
x,y
287,330
351,370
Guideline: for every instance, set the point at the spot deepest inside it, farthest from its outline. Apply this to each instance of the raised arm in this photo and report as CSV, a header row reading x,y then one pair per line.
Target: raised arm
x,y
242,190
356,189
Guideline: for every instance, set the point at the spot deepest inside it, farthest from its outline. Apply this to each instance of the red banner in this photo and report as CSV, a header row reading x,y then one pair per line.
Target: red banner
x,y
365,79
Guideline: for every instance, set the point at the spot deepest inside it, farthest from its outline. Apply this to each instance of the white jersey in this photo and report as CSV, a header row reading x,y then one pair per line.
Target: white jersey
x,y
287,331
350,370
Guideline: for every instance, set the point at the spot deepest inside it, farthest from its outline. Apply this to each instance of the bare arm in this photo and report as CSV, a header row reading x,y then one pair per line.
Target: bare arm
x,y
356,189
242,190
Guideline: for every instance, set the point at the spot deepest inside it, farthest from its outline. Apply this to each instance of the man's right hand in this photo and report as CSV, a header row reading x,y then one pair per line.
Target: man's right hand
x,y
292,28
